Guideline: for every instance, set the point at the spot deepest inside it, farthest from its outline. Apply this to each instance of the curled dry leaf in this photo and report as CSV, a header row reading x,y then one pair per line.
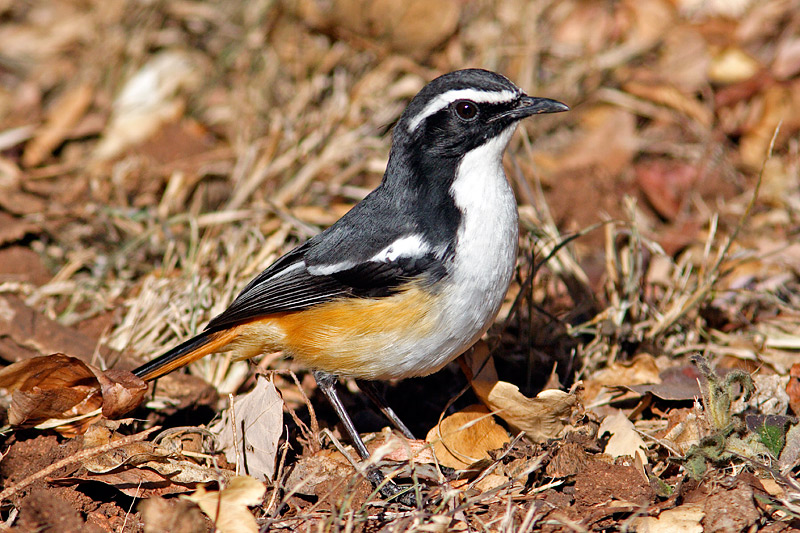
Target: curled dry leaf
x,y
228,508
466,437
390,446
541,418
64,393
142,468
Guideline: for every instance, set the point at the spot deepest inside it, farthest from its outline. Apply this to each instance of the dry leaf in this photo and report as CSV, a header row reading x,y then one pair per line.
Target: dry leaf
x,y
732,65
122,391
666,184
787,59
161,515
227,508
311,473
607,139
684,519
390,446
13,229
642,369
793,388
62,392
541,418
779,106
54,386
465,437
63,116
25,333
134,482
624,438
258,416
146,454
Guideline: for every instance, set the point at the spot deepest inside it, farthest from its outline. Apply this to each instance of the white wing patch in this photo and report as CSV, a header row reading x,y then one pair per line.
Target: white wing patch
x,y
410,246
291,268
445,99
327,270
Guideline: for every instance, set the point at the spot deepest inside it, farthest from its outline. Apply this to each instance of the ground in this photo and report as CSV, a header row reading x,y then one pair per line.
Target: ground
x,y
155,156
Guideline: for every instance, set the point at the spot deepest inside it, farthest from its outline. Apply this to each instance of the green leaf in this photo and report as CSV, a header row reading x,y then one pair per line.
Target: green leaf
x,y
773,437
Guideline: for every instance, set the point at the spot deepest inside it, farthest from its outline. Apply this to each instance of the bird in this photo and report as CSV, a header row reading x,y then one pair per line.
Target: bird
x,y
413,275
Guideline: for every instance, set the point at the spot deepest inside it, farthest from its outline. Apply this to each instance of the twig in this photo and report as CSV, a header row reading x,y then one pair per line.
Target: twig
x,y
78,457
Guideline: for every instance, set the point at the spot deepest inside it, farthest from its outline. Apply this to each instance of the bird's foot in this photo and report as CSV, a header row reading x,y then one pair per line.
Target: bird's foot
x,y
407,495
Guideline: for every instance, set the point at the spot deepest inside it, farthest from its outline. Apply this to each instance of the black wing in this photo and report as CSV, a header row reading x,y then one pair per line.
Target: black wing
x,y
341,261
289,284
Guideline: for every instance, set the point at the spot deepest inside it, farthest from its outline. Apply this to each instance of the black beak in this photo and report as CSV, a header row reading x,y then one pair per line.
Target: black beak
x,y
529,105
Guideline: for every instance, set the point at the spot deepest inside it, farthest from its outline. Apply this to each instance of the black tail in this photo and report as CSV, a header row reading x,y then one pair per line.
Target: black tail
x,y
187,352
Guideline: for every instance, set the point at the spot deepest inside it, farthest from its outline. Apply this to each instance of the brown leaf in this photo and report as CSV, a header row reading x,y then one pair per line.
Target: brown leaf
x,y
134,482
63,116
259,425
666,185
311,474
152,97
673,98
122,391
228,508
607,139
732,65
162,515
13,229
55,386
793,388
787,59
24,333
674,383
65,393
20,263
624,440
466,437
641,369
541,418
686,518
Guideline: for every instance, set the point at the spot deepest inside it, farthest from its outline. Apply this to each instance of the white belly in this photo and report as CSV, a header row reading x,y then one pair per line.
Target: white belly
x,y
482,267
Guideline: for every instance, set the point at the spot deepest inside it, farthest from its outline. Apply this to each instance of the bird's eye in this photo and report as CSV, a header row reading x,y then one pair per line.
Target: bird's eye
x,y
466,109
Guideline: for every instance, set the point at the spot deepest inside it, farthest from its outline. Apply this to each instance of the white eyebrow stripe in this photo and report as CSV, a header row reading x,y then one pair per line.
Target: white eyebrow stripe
x,y
445,99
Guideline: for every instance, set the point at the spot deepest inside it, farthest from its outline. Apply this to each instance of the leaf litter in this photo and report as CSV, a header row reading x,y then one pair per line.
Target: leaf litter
x,y
258,124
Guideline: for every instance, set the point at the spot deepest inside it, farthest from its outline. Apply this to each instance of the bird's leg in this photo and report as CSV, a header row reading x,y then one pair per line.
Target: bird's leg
x,y
368,388
327,384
